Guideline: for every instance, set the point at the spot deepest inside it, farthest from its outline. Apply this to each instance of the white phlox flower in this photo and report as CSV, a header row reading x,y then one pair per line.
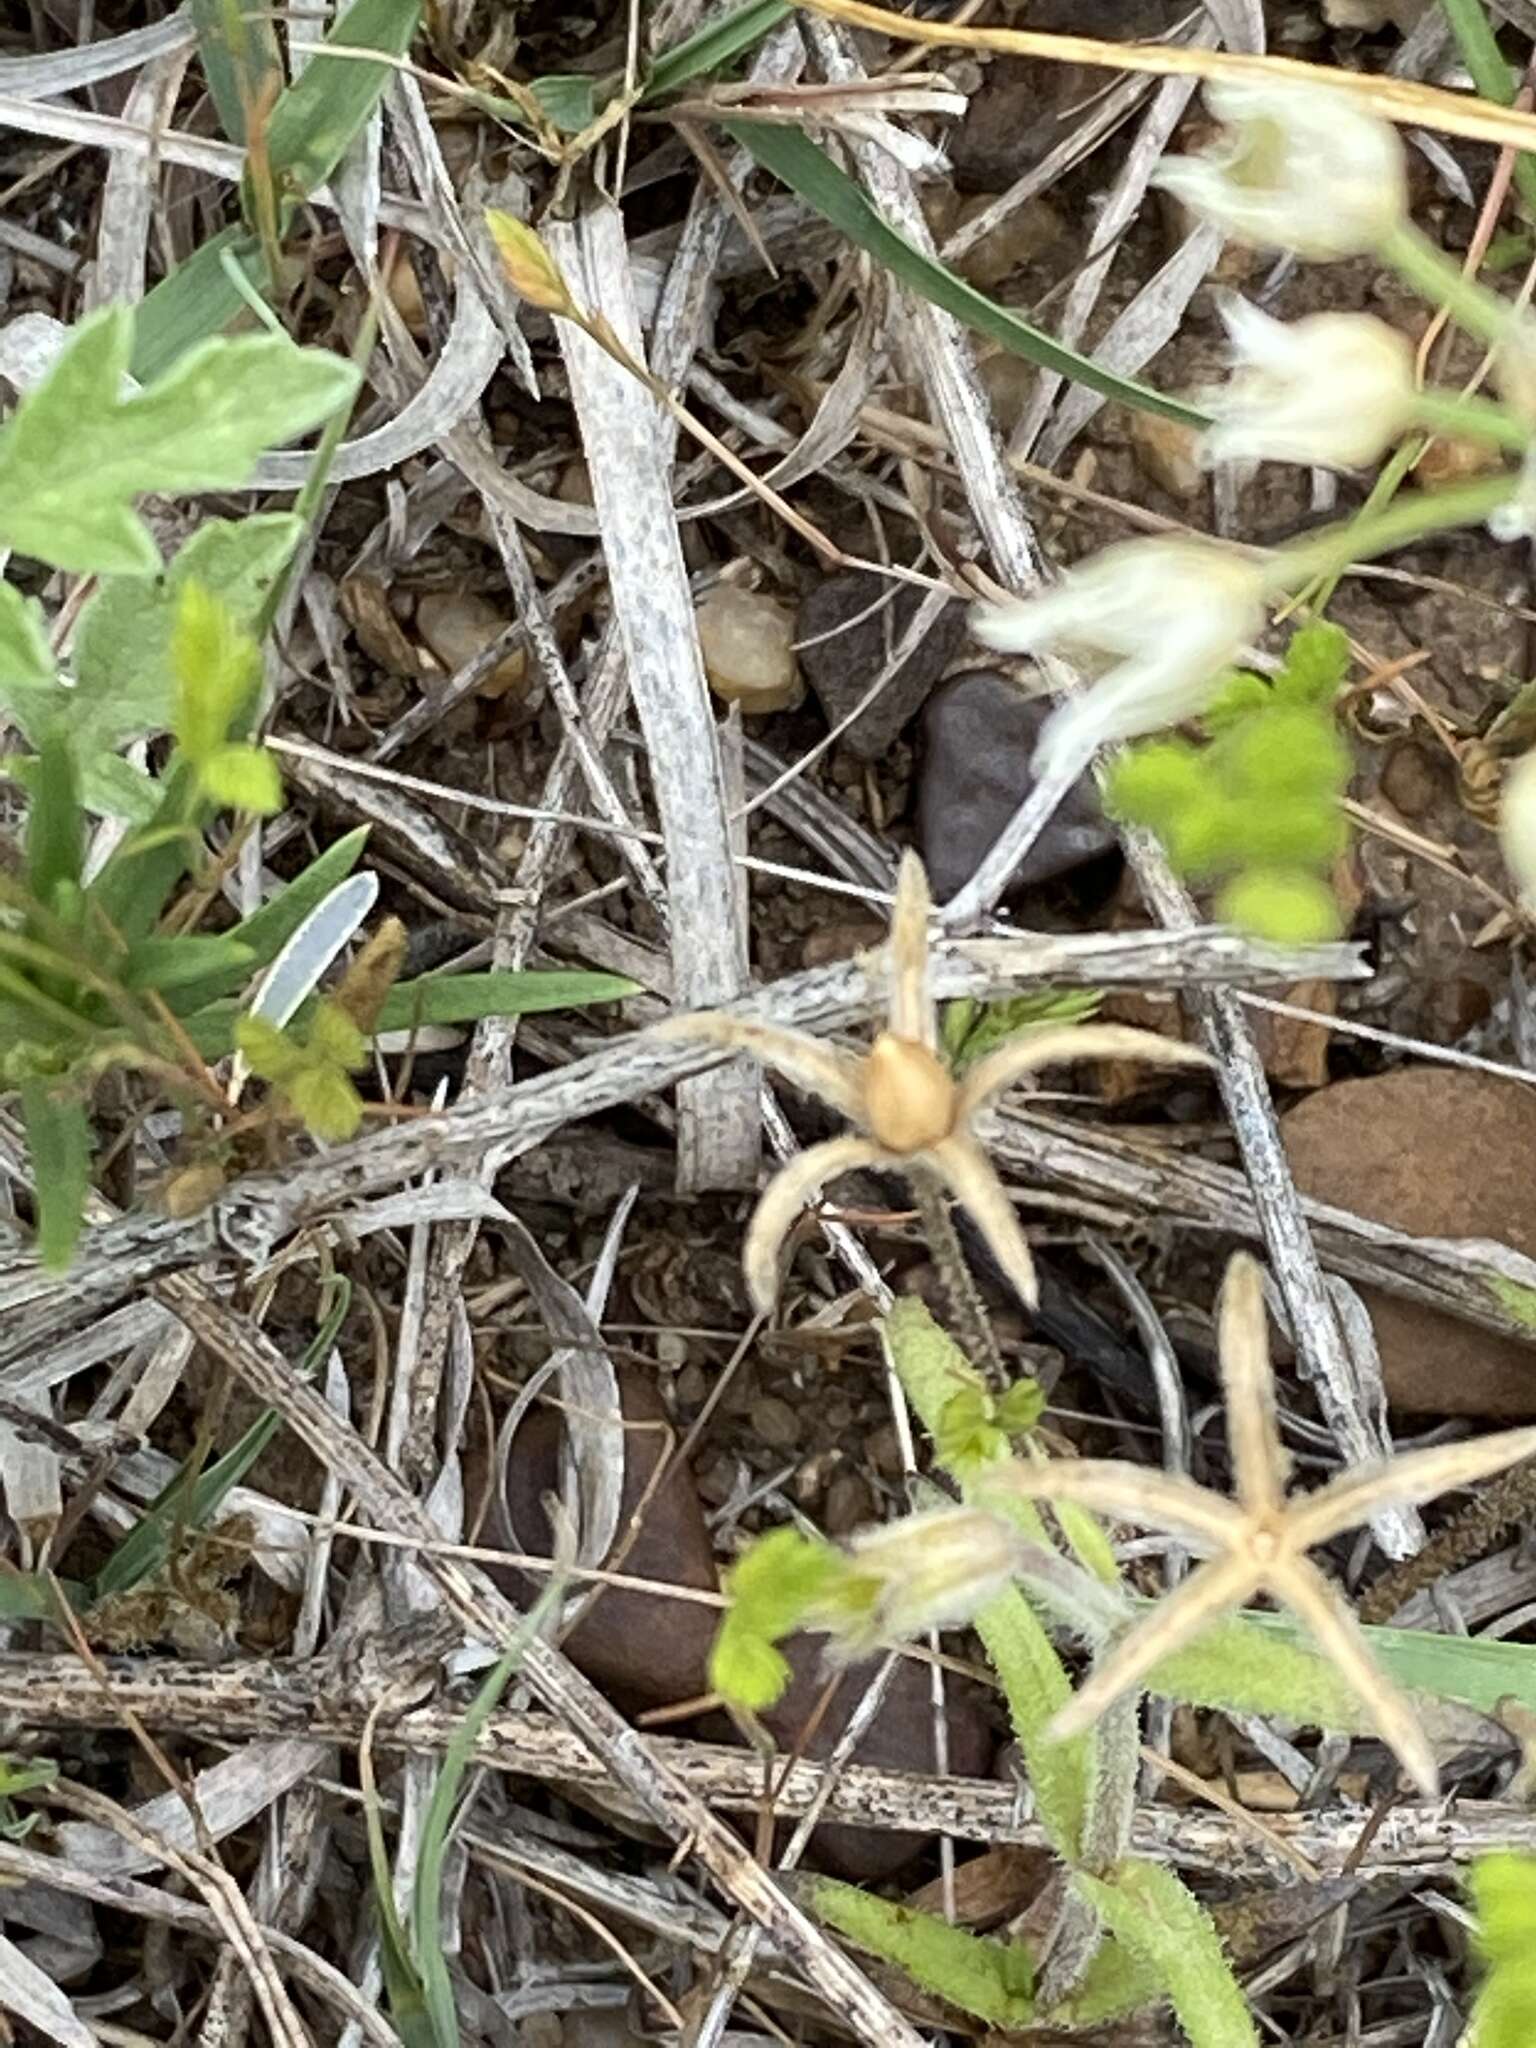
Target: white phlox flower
x,y
1301,168
1172,615
1335,389
1516,518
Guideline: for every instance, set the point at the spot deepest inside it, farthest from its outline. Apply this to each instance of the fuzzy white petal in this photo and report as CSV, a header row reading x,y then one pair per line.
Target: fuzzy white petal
x,y
1335,389
1301,167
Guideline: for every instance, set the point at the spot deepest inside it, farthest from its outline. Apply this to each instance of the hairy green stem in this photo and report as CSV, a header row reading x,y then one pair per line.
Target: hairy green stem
x,y
967,1310
1362,538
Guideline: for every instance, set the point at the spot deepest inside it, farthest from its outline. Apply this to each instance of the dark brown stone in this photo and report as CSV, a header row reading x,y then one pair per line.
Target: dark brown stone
x,y
648,1652
841,669
979,732
1439,1152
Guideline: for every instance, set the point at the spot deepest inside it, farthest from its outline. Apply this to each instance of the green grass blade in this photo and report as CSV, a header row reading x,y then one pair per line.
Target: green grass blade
x,y
444,1812
466,998
237,43
191,1499
315,122
1491,74
712,47
806,168
197,299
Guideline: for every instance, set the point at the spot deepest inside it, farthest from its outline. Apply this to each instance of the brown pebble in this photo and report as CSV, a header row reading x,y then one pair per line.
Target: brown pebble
x,y
775,1422
691,1385
1438,1152
848,1504
884,1450
1409,780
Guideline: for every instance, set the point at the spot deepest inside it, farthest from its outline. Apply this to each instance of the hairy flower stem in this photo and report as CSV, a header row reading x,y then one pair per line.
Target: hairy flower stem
x,y
967,1311
1360,539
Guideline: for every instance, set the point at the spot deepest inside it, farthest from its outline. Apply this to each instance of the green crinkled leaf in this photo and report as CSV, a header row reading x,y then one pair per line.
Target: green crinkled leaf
x,y
1151,1913
124,683
993,1980
745,1668
1315,665
77,452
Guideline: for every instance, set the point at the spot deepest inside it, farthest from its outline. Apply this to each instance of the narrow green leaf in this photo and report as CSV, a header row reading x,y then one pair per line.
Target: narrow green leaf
x,y
266,931
197,1497
237,42
1491,73
198,300
711,48
55,828
76,452
167,965
993,1980
59,1147
1146,1907
316,120
806,168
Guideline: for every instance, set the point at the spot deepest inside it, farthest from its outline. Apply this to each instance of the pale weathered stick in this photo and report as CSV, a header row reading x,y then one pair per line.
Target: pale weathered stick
x,y
629,461
234,1702
625,1757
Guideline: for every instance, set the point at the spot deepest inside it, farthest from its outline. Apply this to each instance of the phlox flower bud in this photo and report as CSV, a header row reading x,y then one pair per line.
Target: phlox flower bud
x,y
1335,389
1176,613
1301,167
933,1570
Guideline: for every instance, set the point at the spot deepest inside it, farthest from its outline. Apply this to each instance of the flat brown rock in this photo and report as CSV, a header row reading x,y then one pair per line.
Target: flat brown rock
x,y
1439,1152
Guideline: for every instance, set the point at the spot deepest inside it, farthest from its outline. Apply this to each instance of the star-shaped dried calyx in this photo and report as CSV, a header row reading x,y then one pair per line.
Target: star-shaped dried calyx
x,y
910,1111
1258,1541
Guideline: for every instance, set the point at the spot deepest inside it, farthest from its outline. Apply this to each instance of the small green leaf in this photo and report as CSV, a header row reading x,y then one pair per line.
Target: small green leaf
x,y
1315,665
59,1148
1147,1909
77,451
992,1979
745,1668
242,778
568,100
326,1103
26,665
168,964
1154,783
271,1055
